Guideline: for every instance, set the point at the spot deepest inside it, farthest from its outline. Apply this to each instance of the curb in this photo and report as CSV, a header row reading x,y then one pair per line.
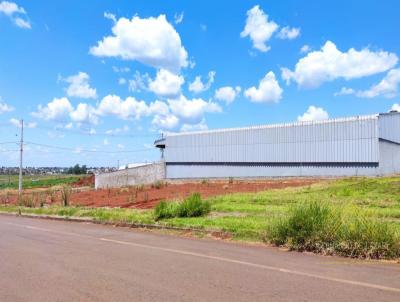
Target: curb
x,y
117,224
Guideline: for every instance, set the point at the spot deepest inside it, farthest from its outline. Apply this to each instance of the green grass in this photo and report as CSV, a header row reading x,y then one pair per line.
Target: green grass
x,y
192,206
37,181
248,216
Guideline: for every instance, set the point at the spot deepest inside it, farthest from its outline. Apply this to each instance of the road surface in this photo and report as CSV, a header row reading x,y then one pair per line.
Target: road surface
x,y
44,260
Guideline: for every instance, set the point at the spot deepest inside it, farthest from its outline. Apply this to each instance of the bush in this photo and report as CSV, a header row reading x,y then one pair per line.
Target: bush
x,y
324,228
192,206
165,210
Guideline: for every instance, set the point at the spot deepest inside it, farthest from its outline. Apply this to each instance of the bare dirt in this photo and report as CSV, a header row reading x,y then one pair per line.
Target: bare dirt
x,y
146,197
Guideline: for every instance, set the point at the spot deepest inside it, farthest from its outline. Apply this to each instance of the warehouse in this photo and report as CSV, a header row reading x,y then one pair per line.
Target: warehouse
x,y
361,145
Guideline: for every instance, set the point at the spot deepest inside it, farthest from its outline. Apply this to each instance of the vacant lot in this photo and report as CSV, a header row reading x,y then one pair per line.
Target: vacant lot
x,y
245,216
38,181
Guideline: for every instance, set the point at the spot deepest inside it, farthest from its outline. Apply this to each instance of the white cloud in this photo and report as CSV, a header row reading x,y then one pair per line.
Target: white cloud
x,y
313,114
118,130
15,13
79,86
110,16
345,91
198,86
22,23
203,27
106,142
195,127
329,63
121,69
17,123
227,93
192,111
396,107
120,146
287,33
139,82
305,48
151,41
178,18
168,121
258,28
5,107
124,109
11,8
387,87
84,113
268,90
166,84
122,81
56,110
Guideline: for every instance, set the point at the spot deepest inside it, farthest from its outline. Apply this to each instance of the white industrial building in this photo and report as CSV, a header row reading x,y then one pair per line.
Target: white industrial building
x,y
361,145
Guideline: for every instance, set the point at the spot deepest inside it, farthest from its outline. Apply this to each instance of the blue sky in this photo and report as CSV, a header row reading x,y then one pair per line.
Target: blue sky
x,y
102,79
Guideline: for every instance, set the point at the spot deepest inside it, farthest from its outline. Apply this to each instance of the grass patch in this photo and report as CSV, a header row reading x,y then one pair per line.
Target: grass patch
x,y
333,229
37,181
192,206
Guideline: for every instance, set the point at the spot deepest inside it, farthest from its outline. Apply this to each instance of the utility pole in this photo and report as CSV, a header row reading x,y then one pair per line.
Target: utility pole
x,y
21,150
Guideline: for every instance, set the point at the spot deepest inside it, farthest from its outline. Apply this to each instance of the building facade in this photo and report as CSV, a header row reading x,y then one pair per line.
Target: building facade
x,y
362,145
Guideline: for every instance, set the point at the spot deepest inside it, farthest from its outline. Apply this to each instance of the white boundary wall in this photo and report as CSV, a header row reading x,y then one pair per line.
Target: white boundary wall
x,y
146,174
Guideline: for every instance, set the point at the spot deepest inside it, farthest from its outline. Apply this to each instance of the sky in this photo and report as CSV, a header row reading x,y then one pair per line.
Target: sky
x,y
96,82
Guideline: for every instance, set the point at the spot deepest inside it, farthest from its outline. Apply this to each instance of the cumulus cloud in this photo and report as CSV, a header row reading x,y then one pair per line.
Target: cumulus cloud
x,y
192,111
151,41
167,121
387,87
287,33
79,86
17,123
125,109
85,114
259,28
139,82
5,107
227,94
329,64
16,13
313,114
166,84
56,110
195,127
268,90
198,86
396,107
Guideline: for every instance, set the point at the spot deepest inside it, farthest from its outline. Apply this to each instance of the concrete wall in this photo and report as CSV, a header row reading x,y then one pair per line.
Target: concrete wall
x,y
129,177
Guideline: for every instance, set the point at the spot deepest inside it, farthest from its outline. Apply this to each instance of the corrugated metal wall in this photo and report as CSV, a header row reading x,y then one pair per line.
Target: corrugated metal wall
x,y
341,140
389,127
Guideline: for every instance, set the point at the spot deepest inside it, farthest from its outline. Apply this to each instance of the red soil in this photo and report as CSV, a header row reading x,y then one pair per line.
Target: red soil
x,y
84,182
149,196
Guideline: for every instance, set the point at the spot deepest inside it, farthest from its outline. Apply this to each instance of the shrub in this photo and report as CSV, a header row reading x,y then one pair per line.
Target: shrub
x,y
65,196
165,210
192,206
25,201
321,227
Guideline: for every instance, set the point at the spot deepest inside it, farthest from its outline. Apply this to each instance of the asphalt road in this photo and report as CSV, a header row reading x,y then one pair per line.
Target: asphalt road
x,y
43,260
